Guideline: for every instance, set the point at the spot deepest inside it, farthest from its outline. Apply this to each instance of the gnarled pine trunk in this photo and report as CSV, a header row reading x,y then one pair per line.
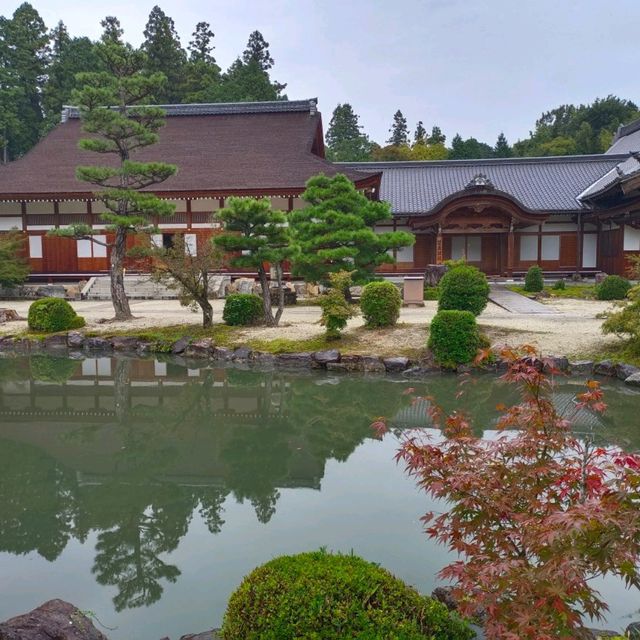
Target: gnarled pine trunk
x,y
269,320
207,312
278,268
118,294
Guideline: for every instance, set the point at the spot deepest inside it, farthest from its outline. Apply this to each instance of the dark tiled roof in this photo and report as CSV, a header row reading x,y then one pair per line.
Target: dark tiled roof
x,y
627,138
222,108
539,184
620,173
255,146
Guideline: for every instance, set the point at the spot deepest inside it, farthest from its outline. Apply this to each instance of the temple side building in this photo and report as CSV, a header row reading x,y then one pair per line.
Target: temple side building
x,y
569,214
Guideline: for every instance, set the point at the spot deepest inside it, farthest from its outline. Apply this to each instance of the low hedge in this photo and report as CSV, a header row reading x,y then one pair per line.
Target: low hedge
x,y
454,338
49,315
380,304
242,309
322,596
464,288
613,288
533,281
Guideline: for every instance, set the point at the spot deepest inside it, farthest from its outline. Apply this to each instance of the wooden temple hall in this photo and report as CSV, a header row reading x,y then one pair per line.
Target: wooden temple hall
x,y
568,214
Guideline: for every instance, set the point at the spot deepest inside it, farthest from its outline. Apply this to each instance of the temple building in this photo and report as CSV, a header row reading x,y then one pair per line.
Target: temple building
x,y
569,214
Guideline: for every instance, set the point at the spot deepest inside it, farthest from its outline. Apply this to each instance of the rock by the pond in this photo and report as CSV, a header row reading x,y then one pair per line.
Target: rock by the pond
x,y
58,341
75,340
581,366
396,364
241,354
623,371
53,620
557,362
294,359
263,359
205,635
8,315
372,364
124,343
633,380
419,372
97,344
222,353
324,357
179,346
200,348
605,368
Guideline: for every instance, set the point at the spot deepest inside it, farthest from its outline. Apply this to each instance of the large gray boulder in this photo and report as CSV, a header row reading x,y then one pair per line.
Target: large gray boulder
x,y
53,620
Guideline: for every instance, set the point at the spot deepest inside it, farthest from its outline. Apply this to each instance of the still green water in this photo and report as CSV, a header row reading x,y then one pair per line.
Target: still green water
x,y
143,491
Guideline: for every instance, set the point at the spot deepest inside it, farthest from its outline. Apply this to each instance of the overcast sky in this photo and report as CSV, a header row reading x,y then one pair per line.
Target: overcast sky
x,y
470,66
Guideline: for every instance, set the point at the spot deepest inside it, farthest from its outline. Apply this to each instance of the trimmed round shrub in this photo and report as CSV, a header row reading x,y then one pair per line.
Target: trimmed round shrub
x,y
242,309
322,596
380,304
533,281
49,315
613,288
464,288
454,338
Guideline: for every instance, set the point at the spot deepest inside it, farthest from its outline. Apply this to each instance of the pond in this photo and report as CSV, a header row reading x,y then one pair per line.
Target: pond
x,y
143,491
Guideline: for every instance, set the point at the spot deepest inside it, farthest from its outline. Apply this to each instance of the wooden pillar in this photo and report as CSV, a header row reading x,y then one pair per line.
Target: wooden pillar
x,y
439,252
511,246
189,214
579,244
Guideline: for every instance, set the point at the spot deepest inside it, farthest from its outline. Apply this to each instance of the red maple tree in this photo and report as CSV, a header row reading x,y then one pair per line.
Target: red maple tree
x,y
535,514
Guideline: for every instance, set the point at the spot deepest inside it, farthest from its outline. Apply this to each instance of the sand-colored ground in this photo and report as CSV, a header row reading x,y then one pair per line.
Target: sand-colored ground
x,y
573,330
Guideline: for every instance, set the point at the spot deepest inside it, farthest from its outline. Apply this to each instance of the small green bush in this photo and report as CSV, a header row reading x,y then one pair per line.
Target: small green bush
x,y
454,338
559,285
242,309
613,288
335,308
464,288
49,315
321,596
533,281
380,304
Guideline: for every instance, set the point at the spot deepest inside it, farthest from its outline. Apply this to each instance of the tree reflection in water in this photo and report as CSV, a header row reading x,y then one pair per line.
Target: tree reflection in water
x,y
132,449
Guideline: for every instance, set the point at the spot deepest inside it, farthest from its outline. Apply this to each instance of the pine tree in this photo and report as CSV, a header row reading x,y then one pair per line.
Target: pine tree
x,y
437,137
258,51
59,40
200,47
335,232
345,141
164,54
399,130
502,148
420,136
260,234
120,131
24,51
469,149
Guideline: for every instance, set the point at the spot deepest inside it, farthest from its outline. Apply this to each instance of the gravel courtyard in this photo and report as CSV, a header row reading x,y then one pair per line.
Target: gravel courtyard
x,y
573,330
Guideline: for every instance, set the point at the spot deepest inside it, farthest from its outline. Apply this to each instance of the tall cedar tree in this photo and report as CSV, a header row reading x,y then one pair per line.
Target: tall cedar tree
x,y
111,30
164,54
345,141
108,106
335,233
399,130
258,51
24,55
200,47
420,136
437,137
188,269
14,267
260,233
502,148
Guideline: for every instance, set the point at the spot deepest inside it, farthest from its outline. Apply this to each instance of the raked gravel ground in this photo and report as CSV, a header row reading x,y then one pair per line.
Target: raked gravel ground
x,y
572,331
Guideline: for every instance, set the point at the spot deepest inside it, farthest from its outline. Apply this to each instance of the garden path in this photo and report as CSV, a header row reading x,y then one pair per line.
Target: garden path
x,y
515,302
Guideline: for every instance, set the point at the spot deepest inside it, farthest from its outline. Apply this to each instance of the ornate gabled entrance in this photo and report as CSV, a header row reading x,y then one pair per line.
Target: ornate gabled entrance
x,y
477,224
